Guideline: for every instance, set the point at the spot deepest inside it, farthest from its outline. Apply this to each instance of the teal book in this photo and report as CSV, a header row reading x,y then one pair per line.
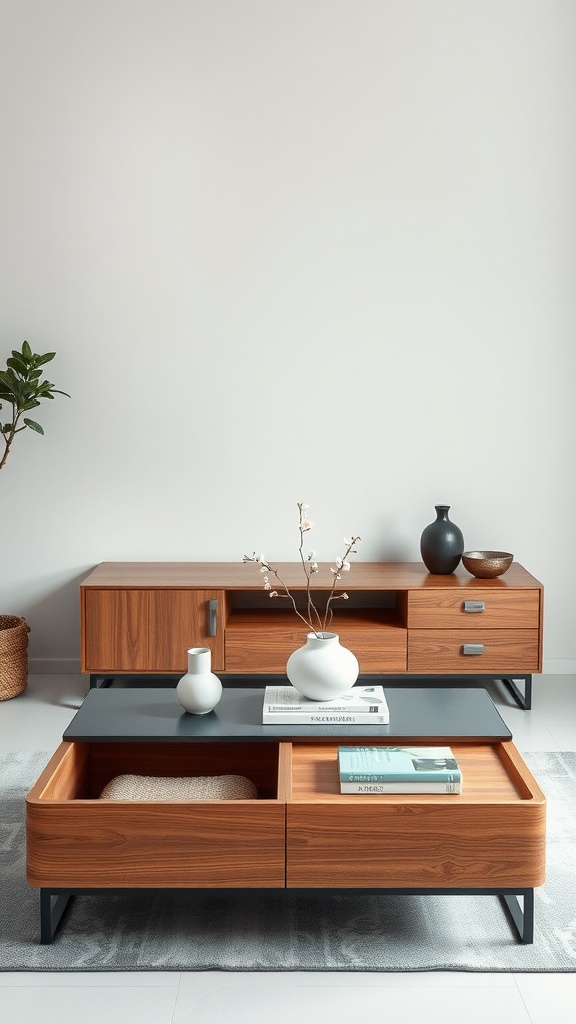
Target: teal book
x,y
398,764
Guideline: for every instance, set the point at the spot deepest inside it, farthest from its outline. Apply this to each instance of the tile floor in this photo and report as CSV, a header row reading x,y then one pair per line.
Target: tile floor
x,y
35,721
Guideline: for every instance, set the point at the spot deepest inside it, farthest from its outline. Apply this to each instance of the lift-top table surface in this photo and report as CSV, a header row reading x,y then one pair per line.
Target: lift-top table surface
x,y
132,714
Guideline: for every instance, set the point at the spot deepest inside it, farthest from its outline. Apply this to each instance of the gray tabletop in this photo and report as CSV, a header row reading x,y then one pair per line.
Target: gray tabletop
x,y
132,714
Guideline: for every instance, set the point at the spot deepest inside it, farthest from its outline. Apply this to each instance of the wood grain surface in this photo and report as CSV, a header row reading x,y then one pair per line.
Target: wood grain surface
x,y
502,609
75,839
493,834
441,650
141,617
300,832
241,576
263,641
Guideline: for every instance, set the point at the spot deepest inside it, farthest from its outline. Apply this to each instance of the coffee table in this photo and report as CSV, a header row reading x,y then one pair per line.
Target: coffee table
x,y
490,840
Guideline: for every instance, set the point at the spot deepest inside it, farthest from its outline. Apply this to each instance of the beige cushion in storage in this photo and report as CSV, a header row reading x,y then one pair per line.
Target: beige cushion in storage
x,y
207,787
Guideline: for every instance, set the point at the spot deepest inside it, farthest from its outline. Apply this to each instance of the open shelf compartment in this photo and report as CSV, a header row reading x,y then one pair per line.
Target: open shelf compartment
x,y
75,839
492,834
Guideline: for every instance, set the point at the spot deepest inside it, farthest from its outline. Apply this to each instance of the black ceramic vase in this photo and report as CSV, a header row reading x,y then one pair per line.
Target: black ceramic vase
x,y
441,544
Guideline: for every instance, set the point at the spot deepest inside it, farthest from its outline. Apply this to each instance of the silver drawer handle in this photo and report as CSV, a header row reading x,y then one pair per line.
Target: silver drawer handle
x,y
474,606
472,648
212,617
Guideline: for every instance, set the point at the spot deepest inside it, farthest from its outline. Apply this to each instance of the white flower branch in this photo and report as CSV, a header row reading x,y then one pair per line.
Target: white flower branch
x,y
315,622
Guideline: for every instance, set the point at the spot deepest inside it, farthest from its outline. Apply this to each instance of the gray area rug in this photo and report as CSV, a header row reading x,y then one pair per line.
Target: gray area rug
x,y
289,930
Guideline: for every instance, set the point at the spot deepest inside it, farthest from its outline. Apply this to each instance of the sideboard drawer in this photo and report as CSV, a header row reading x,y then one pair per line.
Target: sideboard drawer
x,y
76,840
476,608
254,647
473,650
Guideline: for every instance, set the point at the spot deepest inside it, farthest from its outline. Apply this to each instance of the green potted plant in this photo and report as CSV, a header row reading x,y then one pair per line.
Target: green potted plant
x,y
22,388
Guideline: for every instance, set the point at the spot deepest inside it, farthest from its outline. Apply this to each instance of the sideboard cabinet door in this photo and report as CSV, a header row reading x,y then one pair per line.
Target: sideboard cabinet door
x,y
115,631
180,619
137,630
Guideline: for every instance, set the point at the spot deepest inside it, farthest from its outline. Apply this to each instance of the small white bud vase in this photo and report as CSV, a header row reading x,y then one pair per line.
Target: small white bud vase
x,y
322,669
199,691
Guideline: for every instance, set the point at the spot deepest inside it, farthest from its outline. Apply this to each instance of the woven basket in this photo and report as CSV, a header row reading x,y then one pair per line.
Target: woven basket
x,y
13,655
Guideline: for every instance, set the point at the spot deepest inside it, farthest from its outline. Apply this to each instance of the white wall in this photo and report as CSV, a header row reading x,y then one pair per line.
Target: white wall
x,y
286,250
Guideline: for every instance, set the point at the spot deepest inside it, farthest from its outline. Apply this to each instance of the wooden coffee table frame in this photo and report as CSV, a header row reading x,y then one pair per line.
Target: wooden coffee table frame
x,y
493,833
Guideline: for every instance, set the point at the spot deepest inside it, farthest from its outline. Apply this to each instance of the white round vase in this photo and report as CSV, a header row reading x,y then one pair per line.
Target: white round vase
x,y
199,691
322,669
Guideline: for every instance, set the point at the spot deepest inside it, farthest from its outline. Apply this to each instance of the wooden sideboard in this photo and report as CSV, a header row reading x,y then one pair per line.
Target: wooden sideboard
x,y
141,617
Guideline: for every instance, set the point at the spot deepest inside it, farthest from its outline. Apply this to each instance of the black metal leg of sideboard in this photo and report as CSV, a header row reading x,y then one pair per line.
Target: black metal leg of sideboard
x,y
99,682
524,700
52,908
522,915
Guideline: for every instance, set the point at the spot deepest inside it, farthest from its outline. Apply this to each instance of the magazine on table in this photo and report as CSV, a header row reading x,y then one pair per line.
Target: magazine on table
x,y
416,767
361,705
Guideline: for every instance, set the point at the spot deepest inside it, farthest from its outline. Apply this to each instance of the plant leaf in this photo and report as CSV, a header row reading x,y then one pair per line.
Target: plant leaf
x,y
18,364
26,351
33,425
10,382
40,360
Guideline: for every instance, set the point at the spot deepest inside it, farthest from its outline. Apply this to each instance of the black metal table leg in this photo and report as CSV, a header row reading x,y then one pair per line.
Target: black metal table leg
x,y
52,909
522,915
53,903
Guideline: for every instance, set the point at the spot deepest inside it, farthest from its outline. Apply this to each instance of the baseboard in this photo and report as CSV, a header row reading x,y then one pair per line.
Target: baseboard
x,y
559,666
60,666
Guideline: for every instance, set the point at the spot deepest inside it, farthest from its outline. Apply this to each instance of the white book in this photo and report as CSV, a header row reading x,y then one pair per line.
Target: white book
x,y
361,705
323,718
376,788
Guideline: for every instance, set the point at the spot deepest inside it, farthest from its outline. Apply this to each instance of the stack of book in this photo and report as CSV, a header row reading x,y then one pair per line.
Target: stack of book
x,y
398,770
362,705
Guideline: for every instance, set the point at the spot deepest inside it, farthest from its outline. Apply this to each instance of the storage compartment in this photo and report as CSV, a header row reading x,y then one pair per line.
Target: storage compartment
x,y
76,840
475,608
491,835
473,650
262,633
140,618
300,832
137,630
